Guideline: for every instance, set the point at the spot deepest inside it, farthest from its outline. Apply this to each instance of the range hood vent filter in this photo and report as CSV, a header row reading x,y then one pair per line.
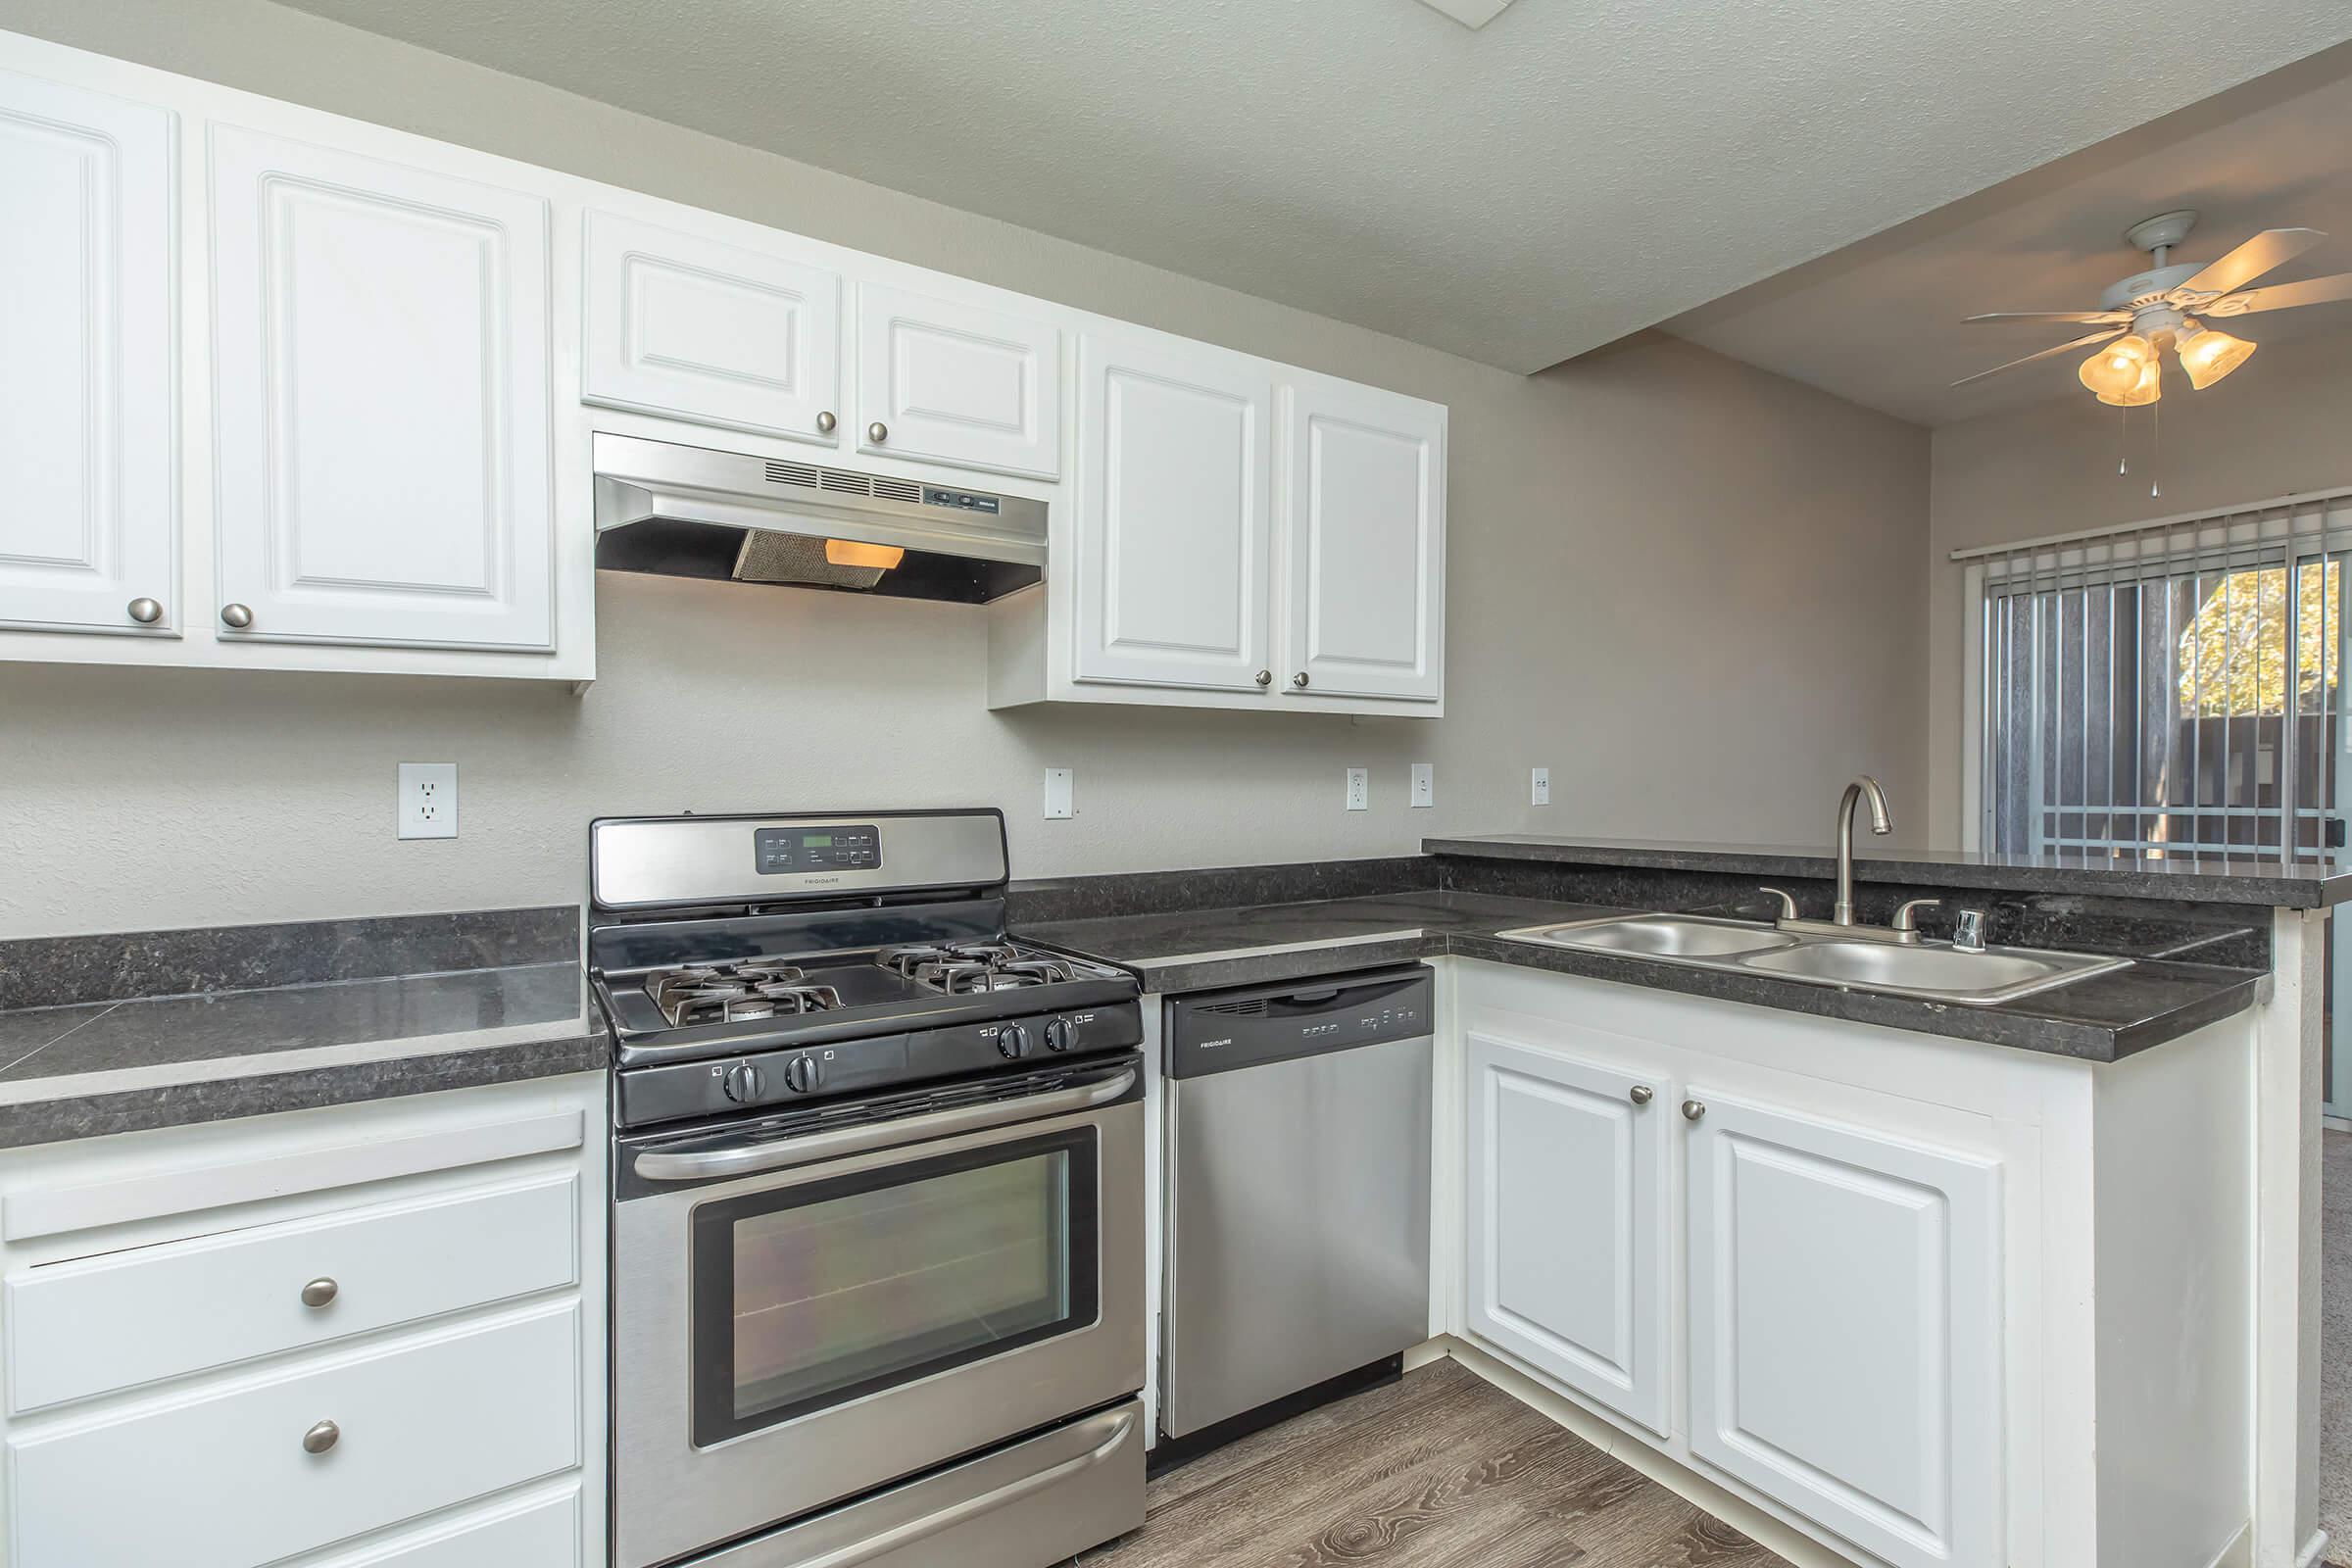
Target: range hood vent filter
x,y
797,559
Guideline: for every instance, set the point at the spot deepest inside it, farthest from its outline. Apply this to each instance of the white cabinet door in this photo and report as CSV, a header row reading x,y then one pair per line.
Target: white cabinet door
x,y
1845,1319
947,383
1365,527
693,328
382,401
1567,1251
89,511
1174,531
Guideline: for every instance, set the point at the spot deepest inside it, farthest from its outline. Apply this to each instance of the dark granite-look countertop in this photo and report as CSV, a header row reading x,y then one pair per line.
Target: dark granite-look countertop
x,y
2099,1019
80,1068
2303,885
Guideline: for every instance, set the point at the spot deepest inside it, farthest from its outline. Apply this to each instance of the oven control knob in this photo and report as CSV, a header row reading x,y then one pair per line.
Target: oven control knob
x,y
801,1076
741,1083
1013,1040
1062,1035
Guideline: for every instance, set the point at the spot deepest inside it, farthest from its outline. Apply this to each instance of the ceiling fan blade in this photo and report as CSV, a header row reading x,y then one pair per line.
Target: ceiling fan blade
x,y
2060,348
2283,296
2049,318
2272,247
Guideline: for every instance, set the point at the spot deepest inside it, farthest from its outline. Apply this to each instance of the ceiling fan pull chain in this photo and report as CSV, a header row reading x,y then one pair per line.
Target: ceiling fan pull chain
x,y
2156,454
2123,463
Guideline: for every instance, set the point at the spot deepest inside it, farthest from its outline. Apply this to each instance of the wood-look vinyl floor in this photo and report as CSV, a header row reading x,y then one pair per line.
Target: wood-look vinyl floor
x,y
1442,1470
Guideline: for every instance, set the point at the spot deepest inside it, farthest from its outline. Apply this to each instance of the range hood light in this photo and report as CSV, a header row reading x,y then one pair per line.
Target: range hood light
x,y
851,553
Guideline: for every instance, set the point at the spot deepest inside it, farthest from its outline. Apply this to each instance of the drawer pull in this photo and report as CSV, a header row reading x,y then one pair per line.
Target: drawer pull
x,y
320,1438
319,1292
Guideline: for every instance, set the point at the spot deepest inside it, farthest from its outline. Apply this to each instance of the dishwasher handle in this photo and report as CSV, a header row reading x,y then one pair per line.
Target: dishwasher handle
x,y
1249,1026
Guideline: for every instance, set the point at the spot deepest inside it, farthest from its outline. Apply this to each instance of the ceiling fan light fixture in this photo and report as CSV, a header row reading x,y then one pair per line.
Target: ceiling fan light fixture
x,y
2117,369
2207,356
2146,389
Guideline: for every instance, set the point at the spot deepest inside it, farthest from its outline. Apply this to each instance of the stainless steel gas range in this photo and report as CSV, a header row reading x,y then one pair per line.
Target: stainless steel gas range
x,y
878,1202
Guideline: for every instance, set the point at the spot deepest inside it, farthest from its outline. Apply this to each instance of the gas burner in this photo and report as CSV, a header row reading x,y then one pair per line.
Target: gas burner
x,y
732,993
970,968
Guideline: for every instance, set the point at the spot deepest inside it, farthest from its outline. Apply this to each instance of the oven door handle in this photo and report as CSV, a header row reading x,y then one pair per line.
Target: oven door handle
x,y
749,1159
1110,1428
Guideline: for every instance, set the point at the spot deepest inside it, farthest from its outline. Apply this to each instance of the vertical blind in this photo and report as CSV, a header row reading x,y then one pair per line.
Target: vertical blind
x,y
2172,688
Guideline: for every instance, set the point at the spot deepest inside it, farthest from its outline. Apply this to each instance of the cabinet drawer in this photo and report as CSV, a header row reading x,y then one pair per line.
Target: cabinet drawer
x,y
225,1481
544,1532
128,1318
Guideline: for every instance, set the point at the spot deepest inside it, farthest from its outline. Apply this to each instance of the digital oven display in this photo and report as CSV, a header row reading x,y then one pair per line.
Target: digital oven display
x,y
780,851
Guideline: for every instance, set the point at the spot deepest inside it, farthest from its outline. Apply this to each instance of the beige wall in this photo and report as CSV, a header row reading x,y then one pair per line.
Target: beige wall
x,y
2281,425
1674,580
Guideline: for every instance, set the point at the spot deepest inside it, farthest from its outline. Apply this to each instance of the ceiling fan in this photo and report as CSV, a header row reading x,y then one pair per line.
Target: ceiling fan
x,y
2149,311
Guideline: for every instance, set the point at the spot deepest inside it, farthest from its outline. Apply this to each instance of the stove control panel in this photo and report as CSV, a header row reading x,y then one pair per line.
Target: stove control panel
x,y
780,851
732,1084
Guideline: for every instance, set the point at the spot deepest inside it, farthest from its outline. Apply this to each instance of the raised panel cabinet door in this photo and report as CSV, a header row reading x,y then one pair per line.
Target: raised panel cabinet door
x,y
382,401
1567,1251
1845,1320
1364,512
89,516
1174,532
948,382
695,328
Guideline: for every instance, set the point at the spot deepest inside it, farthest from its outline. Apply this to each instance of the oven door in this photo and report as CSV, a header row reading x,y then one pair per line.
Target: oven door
x,y
806,1312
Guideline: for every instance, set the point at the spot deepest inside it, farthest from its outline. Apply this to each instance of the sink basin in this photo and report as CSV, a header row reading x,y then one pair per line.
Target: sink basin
x,y
1664,936
1935,971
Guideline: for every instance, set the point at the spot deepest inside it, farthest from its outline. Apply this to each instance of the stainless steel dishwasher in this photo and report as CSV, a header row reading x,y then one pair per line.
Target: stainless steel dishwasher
x,y
1298,1190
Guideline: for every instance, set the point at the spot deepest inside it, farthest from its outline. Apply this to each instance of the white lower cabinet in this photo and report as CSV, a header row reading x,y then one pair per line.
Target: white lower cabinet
x,y
1845,1322
1567,1248
352,1336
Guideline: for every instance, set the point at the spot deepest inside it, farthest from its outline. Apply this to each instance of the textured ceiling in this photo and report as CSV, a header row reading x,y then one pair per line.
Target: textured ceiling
x,y
1881,323
1574,171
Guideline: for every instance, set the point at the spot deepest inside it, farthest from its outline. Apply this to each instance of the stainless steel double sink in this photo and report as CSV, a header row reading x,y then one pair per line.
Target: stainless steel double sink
x,y
1932,971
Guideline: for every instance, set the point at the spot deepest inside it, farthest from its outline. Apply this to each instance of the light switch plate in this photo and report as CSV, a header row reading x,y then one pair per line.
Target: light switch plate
x,y
1425,784
1538,789
1359,789
429,801
1059,783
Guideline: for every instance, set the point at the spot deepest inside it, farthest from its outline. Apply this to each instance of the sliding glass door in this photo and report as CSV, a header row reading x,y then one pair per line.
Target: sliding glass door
x,y
2175,691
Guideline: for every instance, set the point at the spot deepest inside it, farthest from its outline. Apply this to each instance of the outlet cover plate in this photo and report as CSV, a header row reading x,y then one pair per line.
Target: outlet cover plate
x,y
1359,789
1539,788
428,799
1061,784
1425,784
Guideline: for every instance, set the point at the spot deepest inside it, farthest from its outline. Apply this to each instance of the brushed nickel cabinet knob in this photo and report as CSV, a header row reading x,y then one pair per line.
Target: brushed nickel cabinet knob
x,y
1641,1095
825,422
877,432
235,616
1300,680
1692,1109
1266,678
320,1438
319,1292
146,612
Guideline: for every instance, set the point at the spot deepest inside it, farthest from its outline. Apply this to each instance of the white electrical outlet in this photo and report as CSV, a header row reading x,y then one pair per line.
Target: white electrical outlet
x,y
1538,789
1360,788
1060,782
1425,784
428,799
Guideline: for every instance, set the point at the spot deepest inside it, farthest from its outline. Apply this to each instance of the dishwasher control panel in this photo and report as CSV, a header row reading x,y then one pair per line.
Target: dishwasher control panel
x,y
1217,1031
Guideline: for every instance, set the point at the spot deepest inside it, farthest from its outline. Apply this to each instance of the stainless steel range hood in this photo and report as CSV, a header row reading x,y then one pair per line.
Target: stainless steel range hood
x,y
690,512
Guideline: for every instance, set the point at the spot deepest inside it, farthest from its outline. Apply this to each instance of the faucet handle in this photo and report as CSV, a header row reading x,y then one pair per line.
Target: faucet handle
x,y
1967,931
1787,903
1903,919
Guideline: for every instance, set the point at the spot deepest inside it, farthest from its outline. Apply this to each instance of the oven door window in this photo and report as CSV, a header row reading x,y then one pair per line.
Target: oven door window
x,y
815,1294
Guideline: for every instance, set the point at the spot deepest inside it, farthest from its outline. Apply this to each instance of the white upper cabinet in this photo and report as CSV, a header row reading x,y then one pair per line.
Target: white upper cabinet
x,y
1567,1220
1364,518
382,407
693,328
1174,530
89,517
941,381
1845,1321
